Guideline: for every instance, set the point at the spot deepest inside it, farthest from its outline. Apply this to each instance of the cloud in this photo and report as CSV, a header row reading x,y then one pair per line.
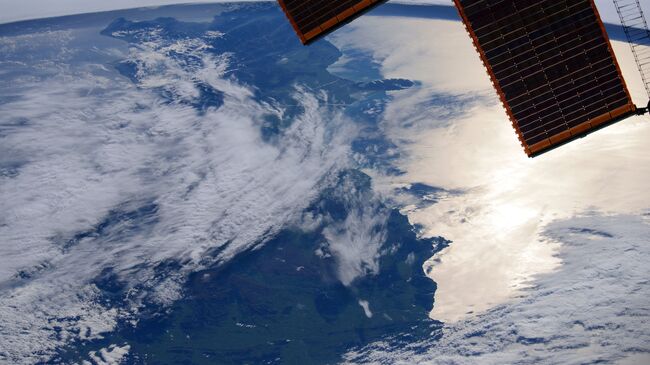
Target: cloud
x,y
453,134
366,307
113,183
592,310
113,355
533,275
355,230
356,242
110,180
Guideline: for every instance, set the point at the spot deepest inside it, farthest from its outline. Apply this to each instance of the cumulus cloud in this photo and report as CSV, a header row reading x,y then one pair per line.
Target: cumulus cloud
x,y
112,355
354,241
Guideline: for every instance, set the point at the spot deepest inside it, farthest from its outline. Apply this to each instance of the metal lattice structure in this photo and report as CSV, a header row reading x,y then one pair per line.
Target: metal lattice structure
x,y
636,30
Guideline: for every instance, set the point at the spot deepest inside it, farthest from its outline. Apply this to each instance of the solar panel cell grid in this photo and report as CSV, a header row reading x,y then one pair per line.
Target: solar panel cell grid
x,y
552,65
314,18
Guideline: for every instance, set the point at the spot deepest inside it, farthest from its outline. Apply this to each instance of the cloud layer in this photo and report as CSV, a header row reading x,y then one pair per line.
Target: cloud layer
x,y
592,310
108,180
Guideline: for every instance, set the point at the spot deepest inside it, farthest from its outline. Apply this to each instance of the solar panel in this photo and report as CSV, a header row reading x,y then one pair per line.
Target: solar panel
x,y
314,18
552,65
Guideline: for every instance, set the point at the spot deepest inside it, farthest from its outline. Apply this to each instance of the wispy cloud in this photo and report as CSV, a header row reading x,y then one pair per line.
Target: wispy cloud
x,y
111,179
453,134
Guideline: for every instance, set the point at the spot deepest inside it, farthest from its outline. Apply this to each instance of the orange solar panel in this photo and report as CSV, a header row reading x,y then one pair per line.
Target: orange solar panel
x,y
314,18
552,65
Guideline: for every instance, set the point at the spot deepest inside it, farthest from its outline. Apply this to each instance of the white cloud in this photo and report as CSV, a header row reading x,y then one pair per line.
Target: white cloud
x,y
543,286
413,41
594,309
113,355
495,224
366,307
356,242
97,146
148,181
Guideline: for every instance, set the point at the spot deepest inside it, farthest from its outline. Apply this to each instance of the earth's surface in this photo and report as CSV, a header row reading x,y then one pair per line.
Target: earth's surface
x,y
190,185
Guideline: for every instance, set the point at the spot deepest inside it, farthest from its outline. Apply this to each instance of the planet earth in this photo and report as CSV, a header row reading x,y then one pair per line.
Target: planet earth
x,y
189,184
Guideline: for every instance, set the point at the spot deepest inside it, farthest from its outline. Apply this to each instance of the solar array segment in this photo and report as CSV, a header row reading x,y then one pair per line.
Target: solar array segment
x,y
313,18
552,65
